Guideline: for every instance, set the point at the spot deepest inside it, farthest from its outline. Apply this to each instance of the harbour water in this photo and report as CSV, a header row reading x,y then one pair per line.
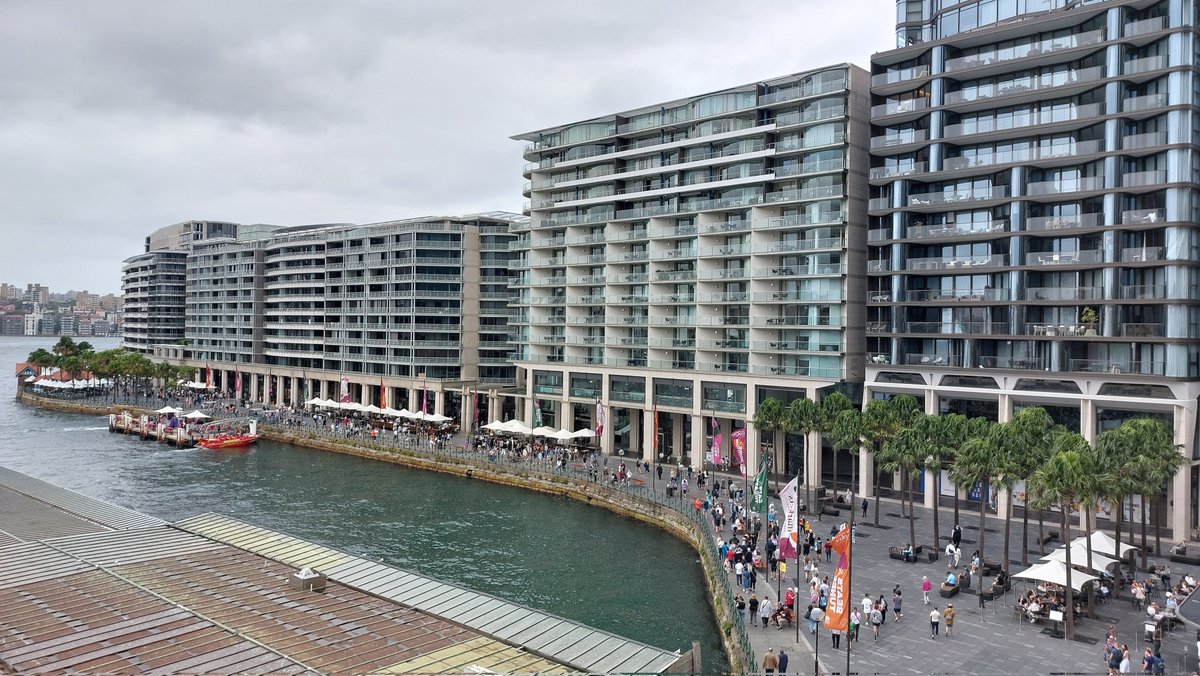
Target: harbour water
x,y
554,554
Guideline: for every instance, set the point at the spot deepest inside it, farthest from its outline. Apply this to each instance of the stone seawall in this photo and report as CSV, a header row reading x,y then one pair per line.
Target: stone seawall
x,y
618,502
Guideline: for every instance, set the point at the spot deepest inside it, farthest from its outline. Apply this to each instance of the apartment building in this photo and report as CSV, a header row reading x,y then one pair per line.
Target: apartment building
x,y
686,260
410,313
1034,201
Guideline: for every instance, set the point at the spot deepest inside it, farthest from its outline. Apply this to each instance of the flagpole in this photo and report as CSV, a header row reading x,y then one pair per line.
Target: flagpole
x,y
850,578
796,596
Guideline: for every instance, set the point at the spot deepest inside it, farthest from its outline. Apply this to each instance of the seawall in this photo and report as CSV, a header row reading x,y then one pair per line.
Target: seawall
x,y
631,506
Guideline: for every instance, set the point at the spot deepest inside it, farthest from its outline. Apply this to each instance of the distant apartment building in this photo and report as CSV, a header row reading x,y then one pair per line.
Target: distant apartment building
x,y
687,260
36,293
1034,200
12,325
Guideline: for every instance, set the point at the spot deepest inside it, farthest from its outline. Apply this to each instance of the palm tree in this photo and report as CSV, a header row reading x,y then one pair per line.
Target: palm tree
x,y
944,434
977,463
1116,449
1156,459
1033,431
848,432
831,407
42,358
906,452
803,416
1061,481
769,417
882,420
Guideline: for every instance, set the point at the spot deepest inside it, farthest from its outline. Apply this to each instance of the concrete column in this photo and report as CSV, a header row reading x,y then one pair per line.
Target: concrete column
x,y
1087,420
635,433
812,461
677,423
466,419
699,450
253,386
605,443
1179,505
649,436
295,395
866,464
439,406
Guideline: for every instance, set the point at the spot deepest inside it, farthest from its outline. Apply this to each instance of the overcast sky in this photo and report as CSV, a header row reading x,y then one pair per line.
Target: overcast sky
x,y
119,117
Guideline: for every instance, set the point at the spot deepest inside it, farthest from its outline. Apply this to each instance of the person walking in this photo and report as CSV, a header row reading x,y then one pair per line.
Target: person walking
x,y
770,661
753,603
896,603
836,636
864,508
949,616
783,661
935,619
855,622
926,587
817,616
765,608
956,537
741,607
876,620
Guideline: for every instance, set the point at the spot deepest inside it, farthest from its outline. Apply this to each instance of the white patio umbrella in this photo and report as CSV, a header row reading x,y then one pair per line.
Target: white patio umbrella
x,y
388,410
372,408
544,431
562,435
353,406
404,413
196,415
437,417
584,433
315,401
1079,557
516,427
1055,572
169,409
494,426
1104,543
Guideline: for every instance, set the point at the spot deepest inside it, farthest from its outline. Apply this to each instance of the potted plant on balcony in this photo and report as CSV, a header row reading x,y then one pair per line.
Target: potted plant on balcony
x,y
1089,318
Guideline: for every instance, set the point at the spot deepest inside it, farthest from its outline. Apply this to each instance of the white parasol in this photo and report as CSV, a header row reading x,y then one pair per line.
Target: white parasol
x,y
1055,572
196,415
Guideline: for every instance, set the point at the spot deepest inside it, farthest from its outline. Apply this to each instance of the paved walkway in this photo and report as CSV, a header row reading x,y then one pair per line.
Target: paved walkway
x,y
985,641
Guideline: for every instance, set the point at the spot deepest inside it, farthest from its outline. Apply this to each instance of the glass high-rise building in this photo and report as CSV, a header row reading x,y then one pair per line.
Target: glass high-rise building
x,y
1034,200
688,259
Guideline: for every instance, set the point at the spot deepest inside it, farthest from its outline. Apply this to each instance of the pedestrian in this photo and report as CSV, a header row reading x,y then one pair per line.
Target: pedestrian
x,y
855,621
949,616
828,549
935,619
864,507
783,661
883,609
867,604
738,570
658,468
896,599
836,636
770,661
926,587
876,620
957,556
765,607
741,607
753,603
950,550
956,538
817,616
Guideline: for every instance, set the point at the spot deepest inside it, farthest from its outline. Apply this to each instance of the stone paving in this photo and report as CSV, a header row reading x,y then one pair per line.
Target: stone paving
x,y
987,641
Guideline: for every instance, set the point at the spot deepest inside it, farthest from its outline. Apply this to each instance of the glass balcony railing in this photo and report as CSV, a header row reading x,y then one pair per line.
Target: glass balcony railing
x,y
914,136
814,218
1144,141
789,246
1143,329
1152,25
1064,257
1061,293
1146,64
899,107
1145,254
1025,155
895,172
798,296
1144,292
957,263
957,229
959,328
1016,363
1039,223
939,198
934,359
1118,366
1143,179
1147,102
727,226
1026,118
955,295
1025,85
1139,216
1025,51
1082,184
879,234
899,75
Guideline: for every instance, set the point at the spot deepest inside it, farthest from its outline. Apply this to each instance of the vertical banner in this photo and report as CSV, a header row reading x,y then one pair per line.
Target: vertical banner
x,y
208,378
837,612
738,441
474,408
424,400
537,413
345,389
758,493
599,420
382,394
303,386
656,430
237,384
716,449
789,533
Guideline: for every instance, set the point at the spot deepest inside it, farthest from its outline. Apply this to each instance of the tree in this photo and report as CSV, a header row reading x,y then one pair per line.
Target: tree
x,y
882,421
1032,431
848,432
1116,451
945,434
769,417
804,416
1061,481
43,359
1156,459
905,452
977,462
831,407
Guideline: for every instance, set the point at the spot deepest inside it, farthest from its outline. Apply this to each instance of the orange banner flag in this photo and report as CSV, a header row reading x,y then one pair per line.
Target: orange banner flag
x,y
837,610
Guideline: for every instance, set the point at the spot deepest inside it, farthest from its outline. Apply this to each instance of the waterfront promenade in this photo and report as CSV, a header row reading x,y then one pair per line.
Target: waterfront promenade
x,y
989,643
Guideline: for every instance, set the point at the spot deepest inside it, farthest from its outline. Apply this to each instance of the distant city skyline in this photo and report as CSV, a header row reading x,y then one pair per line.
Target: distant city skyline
x,y
355,112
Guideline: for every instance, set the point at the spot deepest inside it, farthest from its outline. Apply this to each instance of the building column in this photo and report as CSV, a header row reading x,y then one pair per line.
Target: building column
x,y
1179,500
677,427
253,387
295,395
699,449
812,460
605,442
650,438
439,406
635,432
866,466
493,407
466,417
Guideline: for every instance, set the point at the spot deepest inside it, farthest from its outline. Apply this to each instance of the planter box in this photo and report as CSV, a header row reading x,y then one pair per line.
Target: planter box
x,y
315,583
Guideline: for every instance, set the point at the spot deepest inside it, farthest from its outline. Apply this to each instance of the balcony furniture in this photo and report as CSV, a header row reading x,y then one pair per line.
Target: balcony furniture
x,y
778,370
881,297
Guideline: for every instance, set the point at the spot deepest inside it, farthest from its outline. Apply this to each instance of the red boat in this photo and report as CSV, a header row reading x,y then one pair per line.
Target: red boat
x,y
227,441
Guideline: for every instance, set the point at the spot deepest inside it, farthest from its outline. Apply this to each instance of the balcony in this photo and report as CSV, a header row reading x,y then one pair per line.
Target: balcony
x,y
1149,102
633,298
1146,254
1026,51
959,328
1062,150
1015,363
1147,64
727,226
1141,216
789,246
818,167
1117,366
724,406
895,172
630,257
1145,26
1061,293
675,298
957,229
730,273
1143,179
798,296
1028,119
1083,184
1144,292
1071,330
898,107
879,265
1064,257
799,320
1145,141
674,275
1144,330
878,328
898,76
725,297
681,320
943,198
719,251
957,263
818,218
879,234
903,139
727,368
1026,85
1039,223
955,295
671,254
810,89
933,359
